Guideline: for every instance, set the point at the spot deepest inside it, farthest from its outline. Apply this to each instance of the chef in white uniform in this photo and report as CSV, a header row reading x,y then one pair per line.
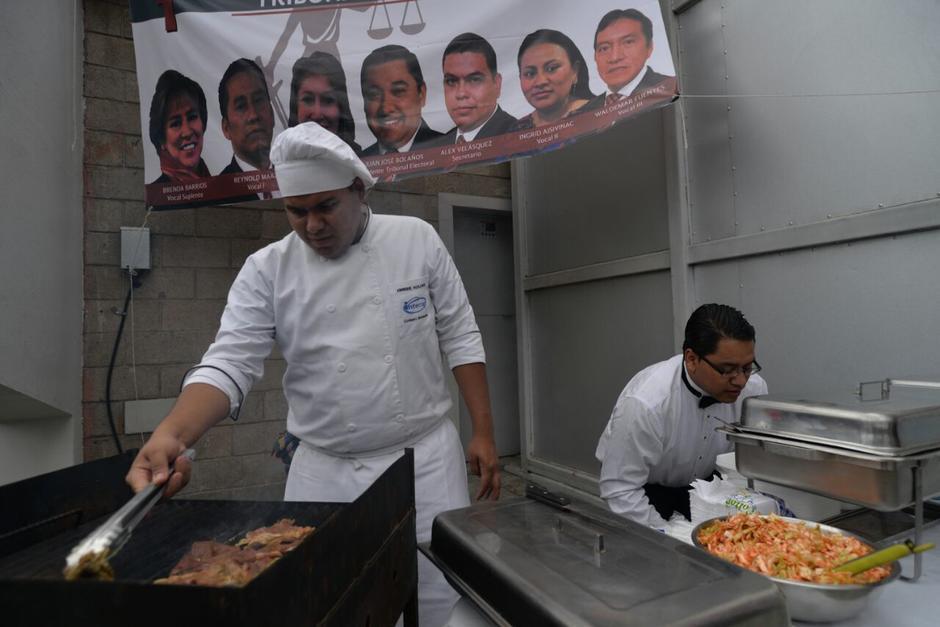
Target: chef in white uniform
x,y
661,434
362,307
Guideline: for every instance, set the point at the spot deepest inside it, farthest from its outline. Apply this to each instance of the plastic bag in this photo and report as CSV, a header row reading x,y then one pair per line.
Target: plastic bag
x,y
679,528
719,497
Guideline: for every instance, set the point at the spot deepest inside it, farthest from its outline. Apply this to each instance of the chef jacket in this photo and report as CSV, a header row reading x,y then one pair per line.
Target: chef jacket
x,y
362,335
658,434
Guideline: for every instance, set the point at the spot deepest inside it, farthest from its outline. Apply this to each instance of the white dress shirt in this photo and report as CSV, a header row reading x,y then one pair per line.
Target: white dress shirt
x,y
627,89
472,133
403,148
657,434
362,335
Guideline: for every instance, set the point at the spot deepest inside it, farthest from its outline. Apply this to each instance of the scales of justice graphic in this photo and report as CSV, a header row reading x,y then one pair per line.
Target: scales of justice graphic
x,y
320,30
407,27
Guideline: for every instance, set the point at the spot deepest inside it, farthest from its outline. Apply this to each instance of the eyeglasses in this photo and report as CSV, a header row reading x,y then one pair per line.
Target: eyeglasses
x,y
730,373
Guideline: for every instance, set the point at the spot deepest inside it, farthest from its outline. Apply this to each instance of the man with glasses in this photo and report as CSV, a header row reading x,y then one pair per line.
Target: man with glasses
x,y
661,434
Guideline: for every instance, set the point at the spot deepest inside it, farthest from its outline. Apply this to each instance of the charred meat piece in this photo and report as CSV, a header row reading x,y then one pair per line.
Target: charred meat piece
x,y
216,564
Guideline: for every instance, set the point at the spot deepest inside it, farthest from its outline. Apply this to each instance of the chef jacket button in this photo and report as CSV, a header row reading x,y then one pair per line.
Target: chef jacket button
x,y
400,417
350,427
388,359
341,367
376,300
331,308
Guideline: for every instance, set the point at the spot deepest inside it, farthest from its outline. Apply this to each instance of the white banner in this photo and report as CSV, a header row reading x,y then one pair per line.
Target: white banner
x,y
414,86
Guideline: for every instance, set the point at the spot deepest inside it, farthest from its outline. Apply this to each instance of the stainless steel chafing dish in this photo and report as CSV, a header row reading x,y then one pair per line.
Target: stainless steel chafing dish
x,y
525,562
901,420
880,450
852,449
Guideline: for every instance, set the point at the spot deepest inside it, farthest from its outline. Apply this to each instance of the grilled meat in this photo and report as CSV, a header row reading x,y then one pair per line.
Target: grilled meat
x,y
216,564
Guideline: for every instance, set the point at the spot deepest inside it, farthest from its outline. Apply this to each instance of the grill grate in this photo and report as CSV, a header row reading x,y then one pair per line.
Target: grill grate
x,y
358,568
162,538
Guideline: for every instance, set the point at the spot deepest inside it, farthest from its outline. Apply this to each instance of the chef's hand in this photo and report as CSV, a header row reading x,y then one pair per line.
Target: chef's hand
x,y
152,465
484,462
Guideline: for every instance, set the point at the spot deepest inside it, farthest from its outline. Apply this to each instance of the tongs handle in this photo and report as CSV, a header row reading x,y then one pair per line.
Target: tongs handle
x,y
132,512
109,537
135,509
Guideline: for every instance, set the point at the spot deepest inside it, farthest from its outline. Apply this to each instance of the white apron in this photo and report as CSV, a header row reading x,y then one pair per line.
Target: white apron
x,y
440,485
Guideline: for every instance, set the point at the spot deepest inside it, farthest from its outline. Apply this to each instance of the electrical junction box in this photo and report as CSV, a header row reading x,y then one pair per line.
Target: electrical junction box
x,y
135,248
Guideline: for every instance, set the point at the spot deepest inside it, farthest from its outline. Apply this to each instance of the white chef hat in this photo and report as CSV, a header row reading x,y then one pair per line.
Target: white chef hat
x,y
309,159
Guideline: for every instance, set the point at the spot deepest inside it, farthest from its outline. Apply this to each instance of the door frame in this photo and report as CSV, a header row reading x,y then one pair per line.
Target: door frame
x,y
446,204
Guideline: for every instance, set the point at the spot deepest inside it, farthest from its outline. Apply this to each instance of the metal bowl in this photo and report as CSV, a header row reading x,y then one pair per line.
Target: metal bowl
x,y
818,602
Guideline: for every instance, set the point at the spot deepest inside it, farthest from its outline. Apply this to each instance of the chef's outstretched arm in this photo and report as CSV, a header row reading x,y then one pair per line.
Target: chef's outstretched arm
x,y
199,407
481,452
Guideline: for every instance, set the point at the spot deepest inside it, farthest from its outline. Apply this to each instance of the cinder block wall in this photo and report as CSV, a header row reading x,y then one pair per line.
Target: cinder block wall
x,y
195,255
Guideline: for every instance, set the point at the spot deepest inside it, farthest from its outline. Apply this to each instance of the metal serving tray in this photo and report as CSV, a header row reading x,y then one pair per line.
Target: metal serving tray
x,y
902,419
881,482
526,563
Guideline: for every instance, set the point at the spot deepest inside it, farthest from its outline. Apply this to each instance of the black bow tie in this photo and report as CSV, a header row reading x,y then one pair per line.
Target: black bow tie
x,y
704,401
707,401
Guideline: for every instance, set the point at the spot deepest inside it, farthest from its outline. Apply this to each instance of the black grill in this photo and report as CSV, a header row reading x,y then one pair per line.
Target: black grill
x,y
358,568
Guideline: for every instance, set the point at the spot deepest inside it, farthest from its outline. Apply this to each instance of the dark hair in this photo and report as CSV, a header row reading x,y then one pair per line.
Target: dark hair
x,y
626,14
387,54
471,42
582,88
709,323
170,85
237,67
324,64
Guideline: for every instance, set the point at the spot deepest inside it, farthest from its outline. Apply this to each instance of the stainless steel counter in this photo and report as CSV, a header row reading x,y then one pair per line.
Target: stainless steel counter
x,y
902,604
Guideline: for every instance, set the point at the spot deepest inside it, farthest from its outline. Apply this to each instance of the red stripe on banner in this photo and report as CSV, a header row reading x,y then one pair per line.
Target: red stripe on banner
x,y
521,143
240,186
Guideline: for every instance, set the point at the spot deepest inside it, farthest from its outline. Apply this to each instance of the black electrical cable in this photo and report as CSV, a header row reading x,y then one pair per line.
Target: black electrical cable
x,y
117,344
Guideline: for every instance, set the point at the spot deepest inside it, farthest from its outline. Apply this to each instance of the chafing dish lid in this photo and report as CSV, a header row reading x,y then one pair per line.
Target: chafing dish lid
x,y
904,423
540,566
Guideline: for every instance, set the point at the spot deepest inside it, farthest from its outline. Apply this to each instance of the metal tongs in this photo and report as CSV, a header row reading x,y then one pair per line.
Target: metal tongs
x,y
89,558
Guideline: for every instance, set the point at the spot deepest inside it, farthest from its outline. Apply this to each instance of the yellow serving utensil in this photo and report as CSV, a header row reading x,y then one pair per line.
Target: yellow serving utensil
x,y
882,557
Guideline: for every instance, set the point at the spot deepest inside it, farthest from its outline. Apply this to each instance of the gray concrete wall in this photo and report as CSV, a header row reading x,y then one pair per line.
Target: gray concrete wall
x,y
40,237
796,178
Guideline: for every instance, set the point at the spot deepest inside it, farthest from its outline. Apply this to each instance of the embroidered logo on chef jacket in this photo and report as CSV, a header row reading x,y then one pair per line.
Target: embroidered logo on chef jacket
x,y
415,305
414,299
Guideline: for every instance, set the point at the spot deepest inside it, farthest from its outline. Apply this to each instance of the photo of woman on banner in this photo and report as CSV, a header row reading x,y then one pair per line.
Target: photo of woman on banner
x,y
553,77
318,94
177,125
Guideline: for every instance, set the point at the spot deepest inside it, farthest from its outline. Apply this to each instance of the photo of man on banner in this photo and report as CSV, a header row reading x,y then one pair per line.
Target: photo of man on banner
x,y
623,44
472,85
395,93
247,118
